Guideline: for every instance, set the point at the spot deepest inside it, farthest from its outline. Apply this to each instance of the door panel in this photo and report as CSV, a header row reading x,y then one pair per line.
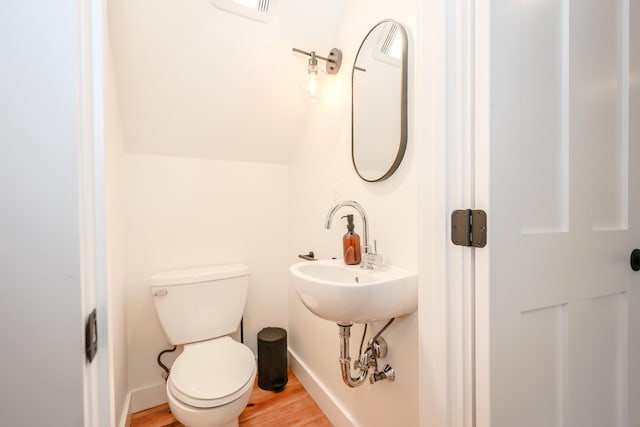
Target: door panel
x,y
599,64
543,136
560,298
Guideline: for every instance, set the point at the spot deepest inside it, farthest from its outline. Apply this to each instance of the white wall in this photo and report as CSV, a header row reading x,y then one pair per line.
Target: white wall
x,y
322,162
41,319
185,212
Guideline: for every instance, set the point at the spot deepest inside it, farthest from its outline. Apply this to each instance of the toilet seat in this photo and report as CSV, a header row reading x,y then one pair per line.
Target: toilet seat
x,y
212,373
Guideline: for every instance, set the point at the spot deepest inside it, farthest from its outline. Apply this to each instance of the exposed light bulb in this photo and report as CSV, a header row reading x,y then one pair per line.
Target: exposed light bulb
x,y
312,71
313,82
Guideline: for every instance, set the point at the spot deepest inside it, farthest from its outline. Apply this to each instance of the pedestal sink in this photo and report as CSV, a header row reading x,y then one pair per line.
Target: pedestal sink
x,y
349,294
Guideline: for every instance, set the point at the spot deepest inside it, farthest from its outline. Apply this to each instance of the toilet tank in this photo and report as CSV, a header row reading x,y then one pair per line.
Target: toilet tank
x,y
200,303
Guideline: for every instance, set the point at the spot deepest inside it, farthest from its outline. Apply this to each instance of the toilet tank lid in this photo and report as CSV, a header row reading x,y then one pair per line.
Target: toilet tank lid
x,y
200,274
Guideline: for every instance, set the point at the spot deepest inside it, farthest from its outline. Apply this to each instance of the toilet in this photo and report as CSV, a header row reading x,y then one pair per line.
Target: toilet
x,y
211,381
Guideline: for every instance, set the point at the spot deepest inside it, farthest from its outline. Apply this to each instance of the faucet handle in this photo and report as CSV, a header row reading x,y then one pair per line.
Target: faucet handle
x,y
366,249
373,259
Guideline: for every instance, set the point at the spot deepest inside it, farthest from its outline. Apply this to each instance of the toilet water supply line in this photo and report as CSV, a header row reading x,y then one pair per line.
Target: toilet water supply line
x,y
369,358
162,365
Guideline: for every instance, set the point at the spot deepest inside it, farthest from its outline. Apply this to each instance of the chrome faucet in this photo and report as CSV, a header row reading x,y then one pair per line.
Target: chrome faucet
x,y
369,259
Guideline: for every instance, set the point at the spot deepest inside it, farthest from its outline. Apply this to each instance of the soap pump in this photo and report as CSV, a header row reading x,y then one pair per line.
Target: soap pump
x,y
351,243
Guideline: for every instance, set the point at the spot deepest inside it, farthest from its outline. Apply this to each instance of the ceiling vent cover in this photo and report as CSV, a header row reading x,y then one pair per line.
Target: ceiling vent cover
x,y
389,39
258,10
390,45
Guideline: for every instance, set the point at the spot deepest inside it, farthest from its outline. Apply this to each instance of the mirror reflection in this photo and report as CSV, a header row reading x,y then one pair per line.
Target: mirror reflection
x,y
379,102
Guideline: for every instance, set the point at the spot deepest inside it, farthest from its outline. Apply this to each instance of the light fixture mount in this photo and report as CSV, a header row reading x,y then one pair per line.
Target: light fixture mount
x,y
333,60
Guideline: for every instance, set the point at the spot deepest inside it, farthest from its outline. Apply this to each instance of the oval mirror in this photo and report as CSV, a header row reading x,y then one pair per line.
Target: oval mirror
x,y
379,102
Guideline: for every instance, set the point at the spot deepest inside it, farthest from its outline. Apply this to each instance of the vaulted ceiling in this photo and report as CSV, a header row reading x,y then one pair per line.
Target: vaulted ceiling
x,y
193,80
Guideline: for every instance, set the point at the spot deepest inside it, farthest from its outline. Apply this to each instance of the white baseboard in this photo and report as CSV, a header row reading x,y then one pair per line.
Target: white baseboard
x,y
148,397
337,414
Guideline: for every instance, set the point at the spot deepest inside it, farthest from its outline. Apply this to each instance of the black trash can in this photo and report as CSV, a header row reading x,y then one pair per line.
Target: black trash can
x,y
272,359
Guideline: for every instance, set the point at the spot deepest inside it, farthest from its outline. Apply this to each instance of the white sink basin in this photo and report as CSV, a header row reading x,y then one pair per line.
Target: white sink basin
x,y
348,294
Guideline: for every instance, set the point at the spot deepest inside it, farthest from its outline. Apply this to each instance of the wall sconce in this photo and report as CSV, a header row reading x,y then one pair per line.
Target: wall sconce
x,y
333,62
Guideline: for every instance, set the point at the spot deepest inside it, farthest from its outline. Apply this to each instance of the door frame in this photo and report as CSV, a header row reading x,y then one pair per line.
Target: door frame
x,y
446,100
97,376
482,33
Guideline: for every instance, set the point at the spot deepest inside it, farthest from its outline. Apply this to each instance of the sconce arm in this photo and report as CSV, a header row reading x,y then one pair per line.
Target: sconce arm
x,y
334,59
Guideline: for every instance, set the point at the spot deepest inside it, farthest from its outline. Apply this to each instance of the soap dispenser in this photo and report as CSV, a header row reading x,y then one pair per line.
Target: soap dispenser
x,y
351,244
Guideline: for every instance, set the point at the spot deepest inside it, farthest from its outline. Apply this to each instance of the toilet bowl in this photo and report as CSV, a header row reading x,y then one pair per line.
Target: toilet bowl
x,y
211,381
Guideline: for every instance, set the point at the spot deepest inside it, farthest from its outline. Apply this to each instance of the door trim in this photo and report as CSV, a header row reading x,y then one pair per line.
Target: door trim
x,y
481,185
445,146
97,378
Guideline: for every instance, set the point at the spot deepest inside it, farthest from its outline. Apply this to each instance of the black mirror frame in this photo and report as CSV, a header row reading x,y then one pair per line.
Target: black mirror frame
x,y
403,104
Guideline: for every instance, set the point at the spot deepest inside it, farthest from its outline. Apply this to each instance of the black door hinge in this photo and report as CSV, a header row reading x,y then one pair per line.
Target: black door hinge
x,y
469,228
91,336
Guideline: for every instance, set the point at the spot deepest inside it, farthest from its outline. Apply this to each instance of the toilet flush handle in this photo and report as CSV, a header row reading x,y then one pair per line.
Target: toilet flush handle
x,y
160,293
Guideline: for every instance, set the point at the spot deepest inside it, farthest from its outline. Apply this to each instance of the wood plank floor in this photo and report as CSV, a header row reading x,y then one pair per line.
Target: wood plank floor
x,y
292,407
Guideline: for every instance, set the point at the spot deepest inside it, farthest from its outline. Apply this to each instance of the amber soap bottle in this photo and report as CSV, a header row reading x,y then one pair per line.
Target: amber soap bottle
x,y
351,243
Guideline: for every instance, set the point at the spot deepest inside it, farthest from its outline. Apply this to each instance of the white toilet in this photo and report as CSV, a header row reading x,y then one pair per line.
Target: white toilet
x,y
211,381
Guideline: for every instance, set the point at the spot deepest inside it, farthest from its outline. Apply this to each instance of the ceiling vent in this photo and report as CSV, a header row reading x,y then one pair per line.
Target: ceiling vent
x,y
258,10
390,45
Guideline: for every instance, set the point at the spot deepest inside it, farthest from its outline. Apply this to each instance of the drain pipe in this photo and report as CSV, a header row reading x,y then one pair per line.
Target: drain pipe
x,y
345,359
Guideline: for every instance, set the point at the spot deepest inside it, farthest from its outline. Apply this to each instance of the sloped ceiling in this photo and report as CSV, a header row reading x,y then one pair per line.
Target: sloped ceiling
x,y
196,81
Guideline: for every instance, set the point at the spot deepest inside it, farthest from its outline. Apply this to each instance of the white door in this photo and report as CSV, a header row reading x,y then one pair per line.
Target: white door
x,y
52,244
558,144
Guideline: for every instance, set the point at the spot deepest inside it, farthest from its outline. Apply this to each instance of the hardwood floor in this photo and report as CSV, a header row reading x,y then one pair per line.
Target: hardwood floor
x,y
292,407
